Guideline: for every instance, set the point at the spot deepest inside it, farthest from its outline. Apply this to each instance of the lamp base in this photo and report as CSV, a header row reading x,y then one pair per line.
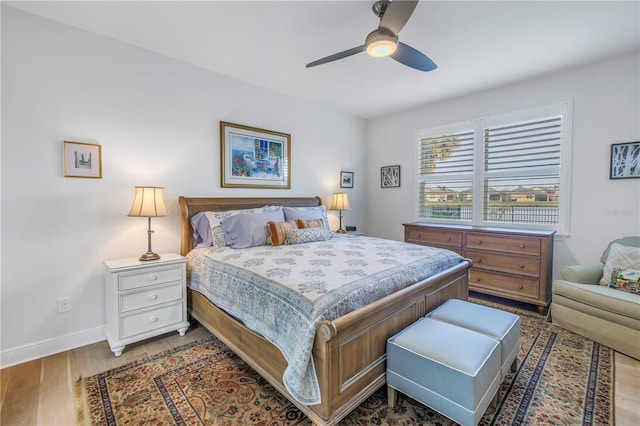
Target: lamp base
x,y
341,231
149,256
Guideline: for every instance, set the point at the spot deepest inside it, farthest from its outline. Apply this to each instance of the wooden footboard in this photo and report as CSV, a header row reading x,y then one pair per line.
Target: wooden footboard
x,y
349,353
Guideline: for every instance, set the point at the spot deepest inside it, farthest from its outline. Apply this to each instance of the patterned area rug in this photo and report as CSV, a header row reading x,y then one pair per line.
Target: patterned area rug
x,y
562,379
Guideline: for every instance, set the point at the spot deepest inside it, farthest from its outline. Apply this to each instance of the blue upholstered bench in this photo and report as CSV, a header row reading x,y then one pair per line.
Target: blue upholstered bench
x,y
451,369
500,325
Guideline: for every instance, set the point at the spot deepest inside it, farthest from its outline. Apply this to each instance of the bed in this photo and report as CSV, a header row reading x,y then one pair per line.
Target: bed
x,y
348,352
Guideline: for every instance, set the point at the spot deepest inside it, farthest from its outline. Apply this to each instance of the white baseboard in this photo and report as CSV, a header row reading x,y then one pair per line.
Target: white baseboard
x,y
47,347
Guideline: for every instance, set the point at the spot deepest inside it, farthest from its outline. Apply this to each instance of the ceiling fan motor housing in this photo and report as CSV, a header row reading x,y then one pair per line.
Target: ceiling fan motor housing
x,y
381,42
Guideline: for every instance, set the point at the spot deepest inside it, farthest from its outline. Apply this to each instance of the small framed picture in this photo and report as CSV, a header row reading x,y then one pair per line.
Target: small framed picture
x,y
625,160
346,179
82,160
390,176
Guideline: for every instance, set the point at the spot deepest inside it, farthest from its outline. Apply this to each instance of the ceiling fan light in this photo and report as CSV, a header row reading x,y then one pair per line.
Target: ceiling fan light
x,y
381,43
381,48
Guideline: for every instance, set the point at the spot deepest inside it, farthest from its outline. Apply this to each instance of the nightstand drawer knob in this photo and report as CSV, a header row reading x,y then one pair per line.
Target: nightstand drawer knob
x,y
153,277
153,319
153,296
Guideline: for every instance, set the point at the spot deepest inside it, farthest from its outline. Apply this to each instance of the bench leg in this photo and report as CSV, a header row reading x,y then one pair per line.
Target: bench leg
x,y
496,399
392,396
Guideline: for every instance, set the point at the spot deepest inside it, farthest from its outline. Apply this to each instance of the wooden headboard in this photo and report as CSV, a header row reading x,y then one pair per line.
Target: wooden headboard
x,y
192,206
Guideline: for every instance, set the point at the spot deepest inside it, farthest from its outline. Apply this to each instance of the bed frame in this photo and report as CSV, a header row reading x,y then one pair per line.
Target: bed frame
x,y
349,352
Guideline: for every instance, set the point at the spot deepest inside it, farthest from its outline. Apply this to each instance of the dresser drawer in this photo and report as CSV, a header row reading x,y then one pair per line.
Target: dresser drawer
x,y
504,263
437,237
509,244
155,295
128,281
150,320
503,283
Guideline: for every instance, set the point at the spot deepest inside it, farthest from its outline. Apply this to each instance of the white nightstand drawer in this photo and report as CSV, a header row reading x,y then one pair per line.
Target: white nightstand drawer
x,y
156,295
144,278
149,320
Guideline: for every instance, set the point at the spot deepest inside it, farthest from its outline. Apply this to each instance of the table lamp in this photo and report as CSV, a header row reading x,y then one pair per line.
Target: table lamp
x,y
340,202
149,202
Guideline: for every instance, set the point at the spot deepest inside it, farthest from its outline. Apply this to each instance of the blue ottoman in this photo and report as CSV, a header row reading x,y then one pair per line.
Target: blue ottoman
x,y
500,325
451,369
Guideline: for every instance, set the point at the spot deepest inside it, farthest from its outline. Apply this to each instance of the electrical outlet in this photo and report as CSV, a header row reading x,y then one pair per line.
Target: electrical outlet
x,y
64,304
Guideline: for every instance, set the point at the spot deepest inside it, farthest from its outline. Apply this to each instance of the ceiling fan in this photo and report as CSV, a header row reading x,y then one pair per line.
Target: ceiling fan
x,y
384,40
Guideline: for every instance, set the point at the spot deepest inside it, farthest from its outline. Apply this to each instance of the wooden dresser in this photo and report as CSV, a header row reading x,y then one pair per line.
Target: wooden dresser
x,y
511,263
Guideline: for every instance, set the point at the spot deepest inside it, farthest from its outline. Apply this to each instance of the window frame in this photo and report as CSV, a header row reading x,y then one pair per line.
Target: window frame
x,y
478,125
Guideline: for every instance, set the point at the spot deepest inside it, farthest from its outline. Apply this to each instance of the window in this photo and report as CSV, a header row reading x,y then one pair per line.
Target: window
x,y
507,170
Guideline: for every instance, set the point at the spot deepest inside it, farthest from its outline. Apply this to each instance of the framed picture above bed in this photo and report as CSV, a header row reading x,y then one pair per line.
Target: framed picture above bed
x,y
254,158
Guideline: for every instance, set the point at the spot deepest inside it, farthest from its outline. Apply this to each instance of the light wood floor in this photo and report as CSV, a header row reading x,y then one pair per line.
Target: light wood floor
x,y
40,392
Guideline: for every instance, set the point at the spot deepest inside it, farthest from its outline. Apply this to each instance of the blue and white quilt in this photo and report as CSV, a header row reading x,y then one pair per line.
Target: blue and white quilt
x,y
284,292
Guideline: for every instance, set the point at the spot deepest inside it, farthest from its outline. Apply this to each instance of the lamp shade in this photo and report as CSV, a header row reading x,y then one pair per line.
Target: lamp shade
x,y
149,202
340,201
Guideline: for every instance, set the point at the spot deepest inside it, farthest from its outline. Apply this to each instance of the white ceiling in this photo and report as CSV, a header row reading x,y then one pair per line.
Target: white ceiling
x,y
476,44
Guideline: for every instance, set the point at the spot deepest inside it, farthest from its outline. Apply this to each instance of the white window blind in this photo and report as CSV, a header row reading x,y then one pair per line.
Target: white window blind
x,y
510,170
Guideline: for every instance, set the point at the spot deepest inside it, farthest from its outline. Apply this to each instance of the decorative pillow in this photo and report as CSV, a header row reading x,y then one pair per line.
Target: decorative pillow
x,y
620,256
217,236
307,235
311,223
626,280
278,231
307,213
248,229
201,230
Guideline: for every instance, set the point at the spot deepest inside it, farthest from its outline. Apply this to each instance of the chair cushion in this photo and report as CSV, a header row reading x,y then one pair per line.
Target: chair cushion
x,y
620,256
601,297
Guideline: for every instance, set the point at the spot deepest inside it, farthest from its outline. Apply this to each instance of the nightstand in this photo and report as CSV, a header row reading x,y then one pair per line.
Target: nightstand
x,y
144,299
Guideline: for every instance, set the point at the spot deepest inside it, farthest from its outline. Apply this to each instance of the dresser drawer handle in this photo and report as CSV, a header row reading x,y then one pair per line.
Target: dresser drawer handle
x,y
521,246
479,260
478,279
521,266
479,242
520,286
418,235
153,319
448,238
153,277
153,296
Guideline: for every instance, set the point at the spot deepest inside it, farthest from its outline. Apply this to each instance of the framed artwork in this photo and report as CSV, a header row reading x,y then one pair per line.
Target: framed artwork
x,y
82,160
254,158
346,179
390,176
625,160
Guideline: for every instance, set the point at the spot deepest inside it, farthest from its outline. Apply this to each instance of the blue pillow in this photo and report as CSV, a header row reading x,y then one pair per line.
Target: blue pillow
x,y
307,213
249,230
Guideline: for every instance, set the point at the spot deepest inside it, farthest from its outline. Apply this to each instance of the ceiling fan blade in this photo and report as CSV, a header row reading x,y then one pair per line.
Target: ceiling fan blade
x,y
410,57
337,56
397,15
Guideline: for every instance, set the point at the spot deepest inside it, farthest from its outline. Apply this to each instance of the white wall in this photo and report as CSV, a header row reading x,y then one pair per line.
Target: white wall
x,y
157,120
606,110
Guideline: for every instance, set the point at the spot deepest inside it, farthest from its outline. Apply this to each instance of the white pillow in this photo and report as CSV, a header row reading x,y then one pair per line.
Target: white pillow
x,y
620,256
